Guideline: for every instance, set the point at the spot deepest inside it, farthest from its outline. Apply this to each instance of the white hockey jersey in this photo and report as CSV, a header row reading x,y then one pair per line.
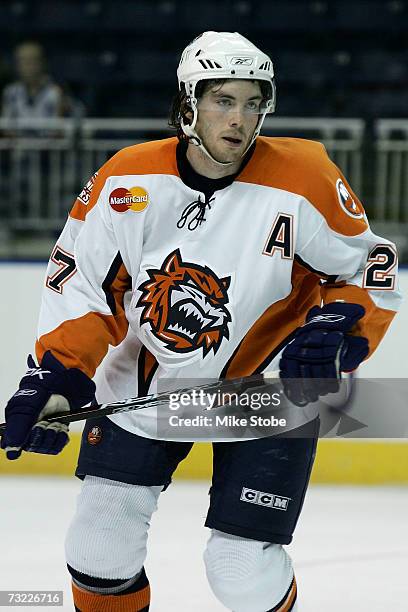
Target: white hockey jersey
x,y
153,280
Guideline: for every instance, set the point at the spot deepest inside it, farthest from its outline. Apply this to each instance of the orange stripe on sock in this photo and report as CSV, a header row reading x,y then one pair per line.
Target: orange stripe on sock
x,y
290,598
87,601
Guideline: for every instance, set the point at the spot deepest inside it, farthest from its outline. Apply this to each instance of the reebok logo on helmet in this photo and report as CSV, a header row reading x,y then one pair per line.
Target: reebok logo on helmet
x,y
241,61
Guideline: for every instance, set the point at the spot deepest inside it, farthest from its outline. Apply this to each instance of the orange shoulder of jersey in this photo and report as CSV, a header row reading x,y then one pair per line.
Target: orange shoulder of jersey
x,y
303,167
155,157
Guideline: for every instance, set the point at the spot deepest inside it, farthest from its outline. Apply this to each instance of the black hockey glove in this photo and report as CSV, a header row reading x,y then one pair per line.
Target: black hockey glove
x,y
312,363
44,391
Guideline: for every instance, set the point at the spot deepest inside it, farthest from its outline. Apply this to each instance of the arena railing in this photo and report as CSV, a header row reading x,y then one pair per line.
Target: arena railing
x,y
391,202
38,172
44,163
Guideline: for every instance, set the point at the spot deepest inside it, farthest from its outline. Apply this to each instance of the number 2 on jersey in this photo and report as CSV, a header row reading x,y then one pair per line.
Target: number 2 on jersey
x,y
377,275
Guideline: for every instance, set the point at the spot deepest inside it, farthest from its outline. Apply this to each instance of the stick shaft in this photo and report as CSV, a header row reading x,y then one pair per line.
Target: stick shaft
x,y
239,385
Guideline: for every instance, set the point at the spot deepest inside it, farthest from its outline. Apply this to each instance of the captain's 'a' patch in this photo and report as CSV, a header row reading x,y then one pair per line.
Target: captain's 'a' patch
x,y
280,237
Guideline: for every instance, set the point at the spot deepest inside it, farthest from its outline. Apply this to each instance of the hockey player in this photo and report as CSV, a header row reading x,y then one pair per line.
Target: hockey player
x,y
219,253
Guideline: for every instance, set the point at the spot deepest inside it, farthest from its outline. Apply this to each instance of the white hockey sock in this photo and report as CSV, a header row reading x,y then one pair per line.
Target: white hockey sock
x,y
248,575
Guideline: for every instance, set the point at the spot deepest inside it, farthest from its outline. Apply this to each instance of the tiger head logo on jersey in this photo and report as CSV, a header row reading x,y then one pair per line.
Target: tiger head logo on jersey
x,y
185,305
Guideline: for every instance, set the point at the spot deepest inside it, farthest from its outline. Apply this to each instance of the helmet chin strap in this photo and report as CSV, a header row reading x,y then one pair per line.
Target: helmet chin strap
x,y
190,132
195,140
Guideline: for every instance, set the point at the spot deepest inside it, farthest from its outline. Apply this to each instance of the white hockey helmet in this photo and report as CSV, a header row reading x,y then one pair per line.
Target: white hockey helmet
x,y
223,55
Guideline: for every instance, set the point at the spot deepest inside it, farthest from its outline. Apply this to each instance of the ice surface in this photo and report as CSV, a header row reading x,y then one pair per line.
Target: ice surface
x,y
350,549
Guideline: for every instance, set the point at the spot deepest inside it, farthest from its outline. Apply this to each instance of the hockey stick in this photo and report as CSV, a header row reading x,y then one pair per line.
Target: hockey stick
x,y
237,385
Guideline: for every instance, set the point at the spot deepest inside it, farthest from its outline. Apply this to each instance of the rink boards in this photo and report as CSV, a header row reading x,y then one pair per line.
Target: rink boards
x,y
337,462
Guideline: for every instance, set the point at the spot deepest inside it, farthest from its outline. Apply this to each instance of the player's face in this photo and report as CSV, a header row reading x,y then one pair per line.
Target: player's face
x,y
227,118
29,62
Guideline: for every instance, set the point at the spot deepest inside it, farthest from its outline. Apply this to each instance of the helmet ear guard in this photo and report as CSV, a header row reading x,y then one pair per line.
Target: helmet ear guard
x,y
222,55
189,128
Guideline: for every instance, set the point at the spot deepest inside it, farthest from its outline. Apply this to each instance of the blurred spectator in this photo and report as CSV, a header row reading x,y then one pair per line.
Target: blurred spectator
x,y
30,162
35,94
